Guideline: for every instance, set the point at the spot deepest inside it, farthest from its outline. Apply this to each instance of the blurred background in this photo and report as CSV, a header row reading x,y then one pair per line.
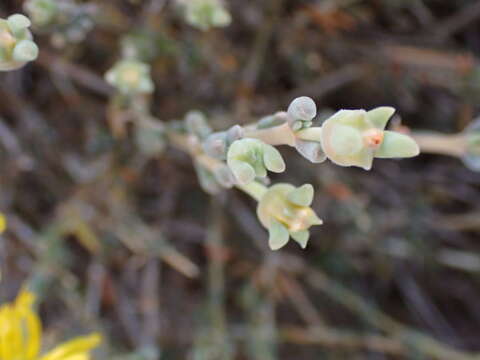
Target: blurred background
x,y
123,241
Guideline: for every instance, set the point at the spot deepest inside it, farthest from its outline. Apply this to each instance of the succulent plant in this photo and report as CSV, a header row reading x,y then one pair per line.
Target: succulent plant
x,y
285,211
301,113
16,45
197,124
42,12
68,21
217,144
250,158
356,137
130,77
205,14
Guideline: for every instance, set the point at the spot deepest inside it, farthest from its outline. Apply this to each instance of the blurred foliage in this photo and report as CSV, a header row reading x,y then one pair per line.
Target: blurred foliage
x,y
113,232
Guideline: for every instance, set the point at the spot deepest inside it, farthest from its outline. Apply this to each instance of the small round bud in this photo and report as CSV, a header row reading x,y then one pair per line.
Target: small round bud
x,y
196,123
16,45
302,108
18,22
249,158
24,51
130,77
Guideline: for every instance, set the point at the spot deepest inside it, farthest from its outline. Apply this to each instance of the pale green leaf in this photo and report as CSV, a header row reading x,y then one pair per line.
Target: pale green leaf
x,y
302,196
277,235
397,145
301,237
380,116
273,159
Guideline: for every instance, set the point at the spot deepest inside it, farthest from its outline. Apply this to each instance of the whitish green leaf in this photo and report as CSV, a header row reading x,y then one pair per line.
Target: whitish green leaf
x,y
277,235
25,50
380,116
302,108
272,159
346,140
397,145
301,237
311,150
302,196
244,172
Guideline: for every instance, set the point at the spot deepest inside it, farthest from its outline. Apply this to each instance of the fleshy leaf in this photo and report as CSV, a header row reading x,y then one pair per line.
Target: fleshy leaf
x,y
18,22
355,118
302,108
197,124
259,156
215,145
397,145
243,171
302,196
273,160
277,235
311,150
25,50
380,116
301,237
346,140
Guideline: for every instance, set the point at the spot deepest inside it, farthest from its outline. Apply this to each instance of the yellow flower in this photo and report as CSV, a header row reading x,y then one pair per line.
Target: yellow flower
x,y
21,334
3,223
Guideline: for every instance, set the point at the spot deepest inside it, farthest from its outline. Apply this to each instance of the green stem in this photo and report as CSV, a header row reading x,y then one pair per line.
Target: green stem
x,y
254,189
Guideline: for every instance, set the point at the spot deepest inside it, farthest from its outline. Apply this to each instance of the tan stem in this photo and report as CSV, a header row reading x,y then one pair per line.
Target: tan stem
x,y
254,189
277,135
437,143
186,144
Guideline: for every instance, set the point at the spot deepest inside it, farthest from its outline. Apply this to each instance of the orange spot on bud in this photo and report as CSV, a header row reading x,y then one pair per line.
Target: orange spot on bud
x,y
373,138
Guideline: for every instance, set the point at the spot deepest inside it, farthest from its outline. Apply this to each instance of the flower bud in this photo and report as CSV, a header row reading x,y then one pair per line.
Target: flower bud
x,y
249,158
285,211
214,181
16,45
130,77
217,144
356,137
301,112
197,124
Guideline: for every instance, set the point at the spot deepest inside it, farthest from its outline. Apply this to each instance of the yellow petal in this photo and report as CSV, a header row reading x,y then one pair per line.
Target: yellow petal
x,y
76,347
33,334
82,356
10,334
3,223
4,332
25,299
30,323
